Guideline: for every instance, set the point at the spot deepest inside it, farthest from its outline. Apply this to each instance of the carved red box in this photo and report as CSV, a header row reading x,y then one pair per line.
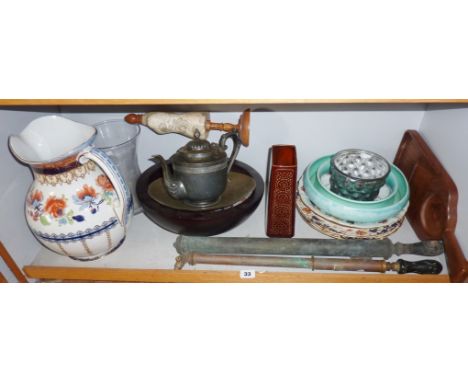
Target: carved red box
x,y
281,190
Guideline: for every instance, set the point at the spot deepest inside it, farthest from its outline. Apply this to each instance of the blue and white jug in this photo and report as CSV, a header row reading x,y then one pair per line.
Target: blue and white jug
x,y
78,204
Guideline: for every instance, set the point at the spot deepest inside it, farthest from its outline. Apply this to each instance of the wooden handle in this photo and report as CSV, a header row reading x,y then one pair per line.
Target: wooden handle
x,y
242,127
456,261
134,118
423,267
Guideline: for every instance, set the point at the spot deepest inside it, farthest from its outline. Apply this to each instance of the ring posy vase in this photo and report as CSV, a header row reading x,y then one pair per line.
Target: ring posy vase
x,y
78,204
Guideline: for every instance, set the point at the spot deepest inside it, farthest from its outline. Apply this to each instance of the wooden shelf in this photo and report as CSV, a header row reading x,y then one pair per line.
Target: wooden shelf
x,y
148,255
167,276
160,102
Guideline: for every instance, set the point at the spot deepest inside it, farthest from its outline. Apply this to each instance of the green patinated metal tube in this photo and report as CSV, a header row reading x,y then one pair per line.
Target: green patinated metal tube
x,y
312,263
305,247
265,261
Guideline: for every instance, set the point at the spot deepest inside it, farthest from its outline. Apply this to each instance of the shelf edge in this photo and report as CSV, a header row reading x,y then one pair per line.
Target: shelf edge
x,y
166,276
286,101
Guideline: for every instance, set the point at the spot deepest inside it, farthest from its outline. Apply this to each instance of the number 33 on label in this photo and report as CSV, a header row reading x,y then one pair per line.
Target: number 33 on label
x,y
248,274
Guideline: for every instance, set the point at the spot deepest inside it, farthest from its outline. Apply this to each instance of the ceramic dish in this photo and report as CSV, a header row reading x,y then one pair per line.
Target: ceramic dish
x,y
337,229
306,201
201,222
355,211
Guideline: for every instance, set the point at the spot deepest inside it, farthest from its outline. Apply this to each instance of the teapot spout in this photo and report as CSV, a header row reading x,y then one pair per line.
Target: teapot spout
x,y
174,186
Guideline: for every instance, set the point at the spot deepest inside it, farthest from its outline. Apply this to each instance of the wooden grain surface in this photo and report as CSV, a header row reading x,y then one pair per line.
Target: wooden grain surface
x,y
434,200
167,276
11,264
285,101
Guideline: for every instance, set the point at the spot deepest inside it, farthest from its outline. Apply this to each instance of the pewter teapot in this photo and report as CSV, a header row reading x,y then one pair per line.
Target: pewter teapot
x,y
199,170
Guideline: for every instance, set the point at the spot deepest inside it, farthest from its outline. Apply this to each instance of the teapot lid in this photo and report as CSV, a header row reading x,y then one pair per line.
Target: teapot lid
x,y
200,152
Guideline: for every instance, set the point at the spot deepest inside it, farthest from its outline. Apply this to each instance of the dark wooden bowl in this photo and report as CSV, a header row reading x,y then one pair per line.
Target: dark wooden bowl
x,y
198,223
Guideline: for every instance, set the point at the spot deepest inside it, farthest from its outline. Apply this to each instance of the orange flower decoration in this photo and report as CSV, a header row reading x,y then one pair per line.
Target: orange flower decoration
x,y
104,182
86,191
35,196
55,206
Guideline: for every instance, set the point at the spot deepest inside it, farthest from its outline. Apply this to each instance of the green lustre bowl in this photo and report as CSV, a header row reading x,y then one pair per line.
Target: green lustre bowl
x,y
358,174
387,205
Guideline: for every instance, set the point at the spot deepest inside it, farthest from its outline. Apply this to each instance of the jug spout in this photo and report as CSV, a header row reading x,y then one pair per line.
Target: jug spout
x,y
174,186
50,138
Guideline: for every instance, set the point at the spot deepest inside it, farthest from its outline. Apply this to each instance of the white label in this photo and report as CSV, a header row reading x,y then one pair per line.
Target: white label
x,y
247,274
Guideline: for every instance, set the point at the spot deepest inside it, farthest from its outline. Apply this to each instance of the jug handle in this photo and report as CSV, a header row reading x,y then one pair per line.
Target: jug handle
x,y
235,150
109,168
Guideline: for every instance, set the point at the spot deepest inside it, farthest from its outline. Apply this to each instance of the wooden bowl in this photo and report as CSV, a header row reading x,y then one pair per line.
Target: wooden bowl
x,y
198,223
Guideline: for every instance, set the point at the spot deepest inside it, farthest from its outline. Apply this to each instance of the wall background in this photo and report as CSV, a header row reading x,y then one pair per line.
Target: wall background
x,y
319,131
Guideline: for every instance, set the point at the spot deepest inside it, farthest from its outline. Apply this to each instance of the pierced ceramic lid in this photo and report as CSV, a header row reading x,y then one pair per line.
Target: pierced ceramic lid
x,y
200,152
361,164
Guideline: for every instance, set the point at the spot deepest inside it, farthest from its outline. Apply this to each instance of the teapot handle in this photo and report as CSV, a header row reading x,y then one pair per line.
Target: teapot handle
x,y
125,205
235,149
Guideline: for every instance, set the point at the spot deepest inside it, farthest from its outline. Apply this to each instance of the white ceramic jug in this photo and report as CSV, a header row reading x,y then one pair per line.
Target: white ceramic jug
x,y
78,204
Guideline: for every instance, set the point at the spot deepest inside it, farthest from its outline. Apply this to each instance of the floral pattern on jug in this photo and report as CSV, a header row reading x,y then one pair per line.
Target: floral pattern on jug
x,y
86,203
55,208
34,202
108,189
88,198
78,204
